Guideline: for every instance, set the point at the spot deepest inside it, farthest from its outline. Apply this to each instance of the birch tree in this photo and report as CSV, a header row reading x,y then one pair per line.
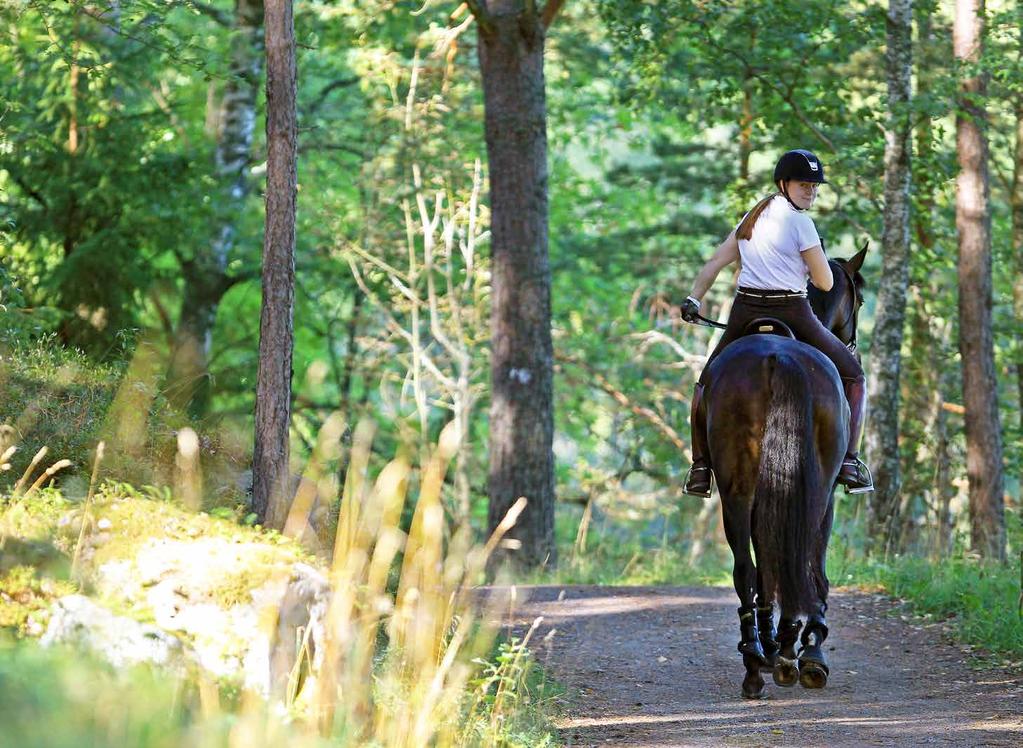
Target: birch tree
x,y
205,272
886,345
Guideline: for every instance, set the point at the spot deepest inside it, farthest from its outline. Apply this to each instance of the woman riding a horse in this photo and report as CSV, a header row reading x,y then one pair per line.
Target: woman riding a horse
x,y
778,249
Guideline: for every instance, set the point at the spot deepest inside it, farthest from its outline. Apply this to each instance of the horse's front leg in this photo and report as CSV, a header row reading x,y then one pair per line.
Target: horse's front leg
x,y
744,577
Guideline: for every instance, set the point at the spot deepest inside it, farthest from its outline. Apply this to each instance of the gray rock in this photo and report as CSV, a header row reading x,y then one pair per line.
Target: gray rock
x,y
78,621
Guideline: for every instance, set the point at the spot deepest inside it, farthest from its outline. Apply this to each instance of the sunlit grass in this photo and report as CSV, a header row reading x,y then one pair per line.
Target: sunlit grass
x,y
409,654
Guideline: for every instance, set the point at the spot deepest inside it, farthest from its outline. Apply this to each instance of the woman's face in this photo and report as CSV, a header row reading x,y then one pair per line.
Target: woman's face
x,y
802,193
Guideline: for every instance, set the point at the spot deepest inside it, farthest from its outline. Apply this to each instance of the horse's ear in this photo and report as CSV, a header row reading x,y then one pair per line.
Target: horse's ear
x,y
856,261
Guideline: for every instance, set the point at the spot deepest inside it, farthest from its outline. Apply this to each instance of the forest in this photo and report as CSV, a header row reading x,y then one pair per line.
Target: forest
x,y
324,289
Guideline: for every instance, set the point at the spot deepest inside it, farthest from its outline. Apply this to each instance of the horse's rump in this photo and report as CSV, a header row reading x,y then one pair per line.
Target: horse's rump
x,y
776,423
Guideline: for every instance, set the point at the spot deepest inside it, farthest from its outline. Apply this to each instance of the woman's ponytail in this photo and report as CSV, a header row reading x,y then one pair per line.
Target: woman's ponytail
x,y
745,230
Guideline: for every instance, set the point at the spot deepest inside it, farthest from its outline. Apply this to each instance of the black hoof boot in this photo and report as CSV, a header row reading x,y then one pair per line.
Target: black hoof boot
x,y
749,643
768,635
813,665
786,669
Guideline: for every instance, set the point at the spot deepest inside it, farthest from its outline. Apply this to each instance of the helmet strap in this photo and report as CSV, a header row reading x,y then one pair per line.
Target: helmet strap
x,y
785,192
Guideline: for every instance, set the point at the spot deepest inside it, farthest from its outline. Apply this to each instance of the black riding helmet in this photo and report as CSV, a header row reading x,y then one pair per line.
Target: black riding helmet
x,y
801,165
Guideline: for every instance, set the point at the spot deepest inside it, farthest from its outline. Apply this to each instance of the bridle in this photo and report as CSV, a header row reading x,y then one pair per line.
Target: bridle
x,y
853,316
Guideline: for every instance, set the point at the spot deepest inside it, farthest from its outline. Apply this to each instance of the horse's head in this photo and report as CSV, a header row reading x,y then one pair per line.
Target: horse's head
x,y
837,309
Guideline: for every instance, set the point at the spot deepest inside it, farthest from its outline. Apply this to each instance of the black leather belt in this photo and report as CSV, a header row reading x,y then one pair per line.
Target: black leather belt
x,y
767,293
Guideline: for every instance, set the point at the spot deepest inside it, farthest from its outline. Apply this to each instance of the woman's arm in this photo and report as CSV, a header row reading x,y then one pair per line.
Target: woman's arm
x,y
820,271
726,253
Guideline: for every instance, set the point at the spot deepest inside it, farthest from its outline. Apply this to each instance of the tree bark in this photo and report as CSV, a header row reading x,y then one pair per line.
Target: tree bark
x,y
270,473
976,344
511,47
205,275
1016,203
886,343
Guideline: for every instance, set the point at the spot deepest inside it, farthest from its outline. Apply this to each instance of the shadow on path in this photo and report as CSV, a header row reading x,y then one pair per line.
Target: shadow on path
x,y
657,666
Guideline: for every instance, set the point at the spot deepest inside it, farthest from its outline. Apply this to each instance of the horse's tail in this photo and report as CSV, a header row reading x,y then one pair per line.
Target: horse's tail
x,y
784,504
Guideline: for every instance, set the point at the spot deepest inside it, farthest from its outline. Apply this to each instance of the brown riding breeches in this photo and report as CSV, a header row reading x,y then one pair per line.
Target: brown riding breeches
x,y
796,313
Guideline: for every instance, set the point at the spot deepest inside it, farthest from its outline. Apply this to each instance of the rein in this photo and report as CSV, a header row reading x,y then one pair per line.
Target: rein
x,y
704,322
855,310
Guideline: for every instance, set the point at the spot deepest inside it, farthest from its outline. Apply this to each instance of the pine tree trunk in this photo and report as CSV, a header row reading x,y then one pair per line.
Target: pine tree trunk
x,y
270,473
976,344
205,275
1016,202
521,413
886,343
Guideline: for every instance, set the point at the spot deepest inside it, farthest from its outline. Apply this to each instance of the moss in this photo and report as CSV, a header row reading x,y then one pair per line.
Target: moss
x,y
211,558
26,596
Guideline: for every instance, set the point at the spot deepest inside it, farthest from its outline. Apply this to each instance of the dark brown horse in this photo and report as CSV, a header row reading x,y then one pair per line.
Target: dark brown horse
x,y
777,429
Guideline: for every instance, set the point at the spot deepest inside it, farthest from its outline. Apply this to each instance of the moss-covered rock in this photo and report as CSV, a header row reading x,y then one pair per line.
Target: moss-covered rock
x,y
236,597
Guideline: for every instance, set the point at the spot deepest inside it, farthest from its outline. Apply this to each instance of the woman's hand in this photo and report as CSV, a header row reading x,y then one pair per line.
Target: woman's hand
x,y
690,309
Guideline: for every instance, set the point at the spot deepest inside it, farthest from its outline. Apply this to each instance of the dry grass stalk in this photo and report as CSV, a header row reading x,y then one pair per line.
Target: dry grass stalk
x,y
415,693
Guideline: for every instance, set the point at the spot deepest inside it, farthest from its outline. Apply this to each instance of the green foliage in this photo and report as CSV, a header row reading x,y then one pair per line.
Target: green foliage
x,y
511,700
97,185
59,699
55,398
981,599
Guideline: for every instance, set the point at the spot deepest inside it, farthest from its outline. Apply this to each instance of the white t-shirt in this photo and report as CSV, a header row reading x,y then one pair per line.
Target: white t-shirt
x,y
772,257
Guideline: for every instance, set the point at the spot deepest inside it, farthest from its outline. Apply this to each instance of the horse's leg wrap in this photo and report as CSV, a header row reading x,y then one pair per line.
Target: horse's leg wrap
x,y
816,628
786,672
766,630
788,632
749,643
813,663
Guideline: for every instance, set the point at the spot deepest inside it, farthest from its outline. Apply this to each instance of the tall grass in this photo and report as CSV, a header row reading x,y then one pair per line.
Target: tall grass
x,y
409,654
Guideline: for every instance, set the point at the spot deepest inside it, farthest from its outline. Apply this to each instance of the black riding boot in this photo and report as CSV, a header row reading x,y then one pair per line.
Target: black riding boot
x,y
699,477
854,474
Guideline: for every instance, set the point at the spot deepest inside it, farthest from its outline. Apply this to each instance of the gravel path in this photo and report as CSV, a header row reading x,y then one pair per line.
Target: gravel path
x,y
657,666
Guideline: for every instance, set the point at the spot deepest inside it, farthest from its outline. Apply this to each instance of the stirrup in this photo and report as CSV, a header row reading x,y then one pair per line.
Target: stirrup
x,y
689,474
865,486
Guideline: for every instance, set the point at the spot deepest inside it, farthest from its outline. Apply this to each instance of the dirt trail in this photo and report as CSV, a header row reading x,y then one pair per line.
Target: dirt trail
x,y
657,666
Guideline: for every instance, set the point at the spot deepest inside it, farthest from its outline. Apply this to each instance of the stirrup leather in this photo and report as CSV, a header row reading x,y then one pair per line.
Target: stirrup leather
x,y
864,478
689,478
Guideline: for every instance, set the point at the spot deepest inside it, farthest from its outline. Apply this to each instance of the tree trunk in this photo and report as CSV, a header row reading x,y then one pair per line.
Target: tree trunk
x,y
511,46
886,343
270,497
205,275
1016,202
976,345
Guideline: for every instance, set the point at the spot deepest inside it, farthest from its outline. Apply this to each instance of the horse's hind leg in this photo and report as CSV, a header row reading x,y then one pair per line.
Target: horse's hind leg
x,y
813,664
765,613
744,577
786,671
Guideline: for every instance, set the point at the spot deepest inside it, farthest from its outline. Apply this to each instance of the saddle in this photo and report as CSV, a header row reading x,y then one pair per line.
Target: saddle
x,y
768,326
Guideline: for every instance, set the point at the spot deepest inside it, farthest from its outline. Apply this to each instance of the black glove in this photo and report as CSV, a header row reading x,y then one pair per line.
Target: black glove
x,y
690,309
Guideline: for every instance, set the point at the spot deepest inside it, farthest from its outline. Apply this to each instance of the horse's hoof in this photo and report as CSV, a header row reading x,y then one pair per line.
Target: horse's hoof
x,y
785,673
813,669
753,689
813,675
